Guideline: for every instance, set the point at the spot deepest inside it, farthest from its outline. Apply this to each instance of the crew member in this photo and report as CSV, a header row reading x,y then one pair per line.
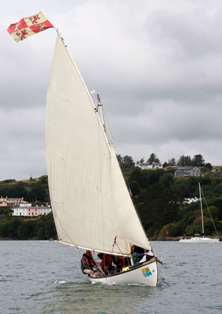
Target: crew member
x,y
121,262
137,254
106,264
88,265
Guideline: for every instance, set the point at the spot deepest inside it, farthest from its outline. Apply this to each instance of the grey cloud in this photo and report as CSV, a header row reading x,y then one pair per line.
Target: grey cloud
x,y
22,143
168,122
192,33
157,66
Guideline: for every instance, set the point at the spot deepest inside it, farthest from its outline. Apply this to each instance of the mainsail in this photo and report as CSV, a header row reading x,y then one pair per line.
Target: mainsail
x,y
90,201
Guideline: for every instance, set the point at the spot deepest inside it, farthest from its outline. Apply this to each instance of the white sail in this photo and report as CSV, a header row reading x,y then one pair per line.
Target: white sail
x,y
90,201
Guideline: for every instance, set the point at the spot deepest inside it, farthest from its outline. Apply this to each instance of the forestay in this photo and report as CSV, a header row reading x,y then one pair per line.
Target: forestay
x,y
90,201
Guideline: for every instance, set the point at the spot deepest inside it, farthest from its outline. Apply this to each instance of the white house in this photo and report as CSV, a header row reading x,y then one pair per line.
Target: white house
x,y
187,171
191,200
146,166
27,210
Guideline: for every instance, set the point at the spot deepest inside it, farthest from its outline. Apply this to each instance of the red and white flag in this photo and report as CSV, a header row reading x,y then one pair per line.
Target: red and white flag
x,y
29,26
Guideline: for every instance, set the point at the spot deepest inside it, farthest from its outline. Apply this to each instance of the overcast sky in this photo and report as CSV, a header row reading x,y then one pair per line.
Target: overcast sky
x,y
157,65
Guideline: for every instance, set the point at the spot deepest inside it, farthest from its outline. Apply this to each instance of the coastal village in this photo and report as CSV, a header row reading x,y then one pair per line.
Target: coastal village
x,y
180,171
20,207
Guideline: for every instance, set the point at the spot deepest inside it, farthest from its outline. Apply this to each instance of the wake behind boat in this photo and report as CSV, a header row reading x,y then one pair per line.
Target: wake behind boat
x,y
91,204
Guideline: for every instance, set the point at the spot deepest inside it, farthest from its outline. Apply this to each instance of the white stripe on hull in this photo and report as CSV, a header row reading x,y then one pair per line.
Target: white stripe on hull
x,y
146,274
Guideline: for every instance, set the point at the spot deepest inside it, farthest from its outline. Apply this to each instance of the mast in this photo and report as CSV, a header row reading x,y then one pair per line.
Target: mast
x,y
100,112
201,209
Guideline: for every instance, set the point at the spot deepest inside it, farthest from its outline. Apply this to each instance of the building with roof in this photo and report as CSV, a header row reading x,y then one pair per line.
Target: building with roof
x,y
187,171
11,201
152,166
31,211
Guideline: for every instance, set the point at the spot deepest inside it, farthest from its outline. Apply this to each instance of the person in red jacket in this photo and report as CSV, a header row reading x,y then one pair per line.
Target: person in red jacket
x,y
106,264
89,266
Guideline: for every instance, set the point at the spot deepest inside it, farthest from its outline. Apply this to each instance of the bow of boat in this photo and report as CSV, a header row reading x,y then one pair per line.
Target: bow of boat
x,y
141,274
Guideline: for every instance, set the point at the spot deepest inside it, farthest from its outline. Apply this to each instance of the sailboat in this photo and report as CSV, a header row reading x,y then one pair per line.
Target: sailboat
x,y
202,239
91,204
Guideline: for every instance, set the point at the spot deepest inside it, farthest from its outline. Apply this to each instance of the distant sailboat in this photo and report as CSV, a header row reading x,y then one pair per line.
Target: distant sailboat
x,y
202,239
91,204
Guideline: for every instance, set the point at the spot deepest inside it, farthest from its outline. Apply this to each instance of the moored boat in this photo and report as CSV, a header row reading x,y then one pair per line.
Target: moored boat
x,y
203,239
200,240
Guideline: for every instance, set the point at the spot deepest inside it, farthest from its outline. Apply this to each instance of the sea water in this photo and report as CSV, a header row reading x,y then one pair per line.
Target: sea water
x,y
44,277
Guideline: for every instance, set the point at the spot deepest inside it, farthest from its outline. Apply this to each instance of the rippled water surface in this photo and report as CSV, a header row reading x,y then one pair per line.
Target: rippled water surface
x,y
44,277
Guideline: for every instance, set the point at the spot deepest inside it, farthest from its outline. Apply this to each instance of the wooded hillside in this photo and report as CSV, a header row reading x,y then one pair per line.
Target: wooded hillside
x,y
158,196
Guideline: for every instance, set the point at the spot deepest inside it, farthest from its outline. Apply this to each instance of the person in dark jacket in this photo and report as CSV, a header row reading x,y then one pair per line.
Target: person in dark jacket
x,y
137,254
121,262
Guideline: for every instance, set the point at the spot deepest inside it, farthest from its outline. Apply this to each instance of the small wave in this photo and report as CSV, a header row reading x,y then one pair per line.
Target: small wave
x,y
60,282
215,307
33,295
181,264
163,283
4,280
219,283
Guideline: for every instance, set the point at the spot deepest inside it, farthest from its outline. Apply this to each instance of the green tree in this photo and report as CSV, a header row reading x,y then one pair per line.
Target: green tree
x,y
153,159
198,160
126,162
172,162
208,166
26,230
165,164
184,161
